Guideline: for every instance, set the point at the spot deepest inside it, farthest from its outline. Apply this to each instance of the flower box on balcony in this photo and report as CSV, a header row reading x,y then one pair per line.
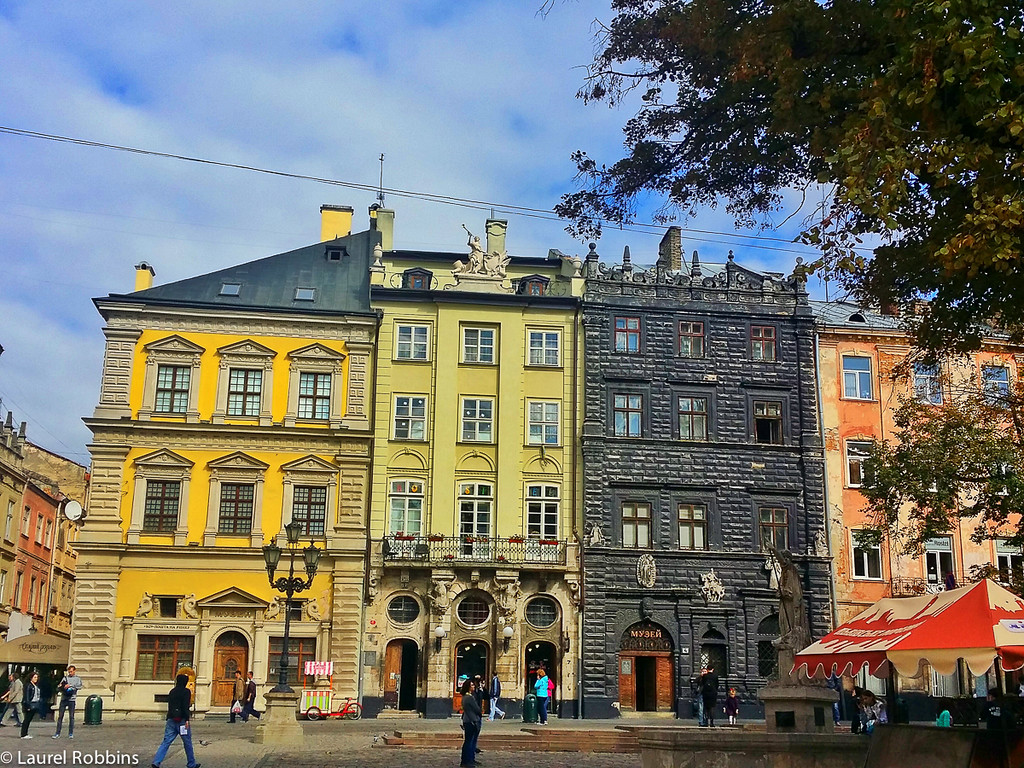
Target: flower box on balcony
x,y
502,558
469,539
548,542
515,539
403,537
436,537
449,557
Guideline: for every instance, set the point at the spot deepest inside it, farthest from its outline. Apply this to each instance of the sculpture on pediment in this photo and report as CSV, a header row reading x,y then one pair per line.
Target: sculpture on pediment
x,y
188,606
145,606
479,262
711,587
794,626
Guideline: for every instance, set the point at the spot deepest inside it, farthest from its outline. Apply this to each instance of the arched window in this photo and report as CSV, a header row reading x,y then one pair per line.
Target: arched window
x,y
714,652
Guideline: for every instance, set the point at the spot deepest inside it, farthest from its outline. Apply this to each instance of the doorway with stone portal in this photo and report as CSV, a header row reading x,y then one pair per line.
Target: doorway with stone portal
x,y
230,653
646,669
472,658
401,662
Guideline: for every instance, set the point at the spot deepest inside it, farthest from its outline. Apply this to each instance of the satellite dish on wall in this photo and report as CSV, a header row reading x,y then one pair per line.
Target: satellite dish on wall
x,y
73,511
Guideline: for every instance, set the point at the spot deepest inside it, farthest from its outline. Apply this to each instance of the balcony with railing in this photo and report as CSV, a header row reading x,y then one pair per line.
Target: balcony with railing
x,y
435,549
907,586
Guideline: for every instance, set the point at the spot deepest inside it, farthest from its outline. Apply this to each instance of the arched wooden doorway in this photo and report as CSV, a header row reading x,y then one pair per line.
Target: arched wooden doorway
x,y
646,669
401,662
230,653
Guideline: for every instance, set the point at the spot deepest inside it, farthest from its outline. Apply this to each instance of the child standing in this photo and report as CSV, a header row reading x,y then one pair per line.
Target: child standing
x,y
732,706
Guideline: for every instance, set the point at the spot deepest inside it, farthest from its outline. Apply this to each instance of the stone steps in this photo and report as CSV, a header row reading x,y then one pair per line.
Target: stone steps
x,y
527,739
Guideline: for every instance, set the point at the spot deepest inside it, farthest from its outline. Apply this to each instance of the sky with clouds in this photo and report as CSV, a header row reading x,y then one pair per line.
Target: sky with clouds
x,y
470,99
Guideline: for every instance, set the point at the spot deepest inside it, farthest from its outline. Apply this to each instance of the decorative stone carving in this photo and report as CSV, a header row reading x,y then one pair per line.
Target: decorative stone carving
x,y
575,592
188,606
480,263
646,571
274,609
820,544
145,605
646,608
711,587
507,598
311,610
440,596
373,584
596,536
771,565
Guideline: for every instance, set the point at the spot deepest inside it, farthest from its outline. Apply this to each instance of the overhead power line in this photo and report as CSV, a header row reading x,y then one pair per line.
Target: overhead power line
x,y
379,189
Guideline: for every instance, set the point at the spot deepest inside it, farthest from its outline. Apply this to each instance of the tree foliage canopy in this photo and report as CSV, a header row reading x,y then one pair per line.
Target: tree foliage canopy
x,y
910,111
962,460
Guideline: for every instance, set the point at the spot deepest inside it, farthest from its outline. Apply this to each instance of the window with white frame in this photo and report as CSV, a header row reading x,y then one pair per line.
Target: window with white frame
x,y
245,392
237,502
544,347
9,525
938,559
1009,561
693,417
857,452
867,559
691,339
477,420
172,382
627,412
476,505
405,507
161,511
412,341
693,526
927,384
410,417
542,506
48,536
856,377
636,525
995,383
314,395
478,345
309,509
543,422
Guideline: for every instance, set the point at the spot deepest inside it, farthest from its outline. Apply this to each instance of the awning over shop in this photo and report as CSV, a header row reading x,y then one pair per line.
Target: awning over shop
x,y
35,649
977,623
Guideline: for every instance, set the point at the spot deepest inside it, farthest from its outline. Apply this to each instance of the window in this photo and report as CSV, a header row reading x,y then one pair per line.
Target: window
x,y
172,388
768,422
418,282
691,339
693,417
3,586
627,334
417,278
927,386
405,505
410,418
693,526
542,504
39,528
309,507
9,525
857,377
867,560
230,289
767,656
542,422
236,508
168,607
300,650
48,537
245,387
1009,561
477,420
412,342
32,596
403,610
532,287
541,612
473,612
857,452
762,343
478,345
938,559
774,527
636,525
61,538
995,383
305,294
476,501
161,511
543,347
628,413
161,656
16,599
26,522
314,395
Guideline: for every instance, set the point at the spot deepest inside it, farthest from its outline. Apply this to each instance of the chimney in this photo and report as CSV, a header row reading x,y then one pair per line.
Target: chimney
x,y
335,221
496,229
144,275
383,220
670,250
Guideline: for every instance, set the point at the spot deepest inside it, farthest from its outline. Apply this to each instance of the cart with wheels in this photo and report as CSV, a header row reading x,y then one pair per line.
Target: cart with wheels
x,y
321,703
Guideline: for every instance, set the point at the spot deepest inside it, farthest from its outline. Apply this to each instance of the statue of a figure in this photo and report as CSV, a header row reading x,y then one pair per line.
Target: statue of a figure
x,y
495,263
440,597
794,628
596,537
507,598
476,253
145,605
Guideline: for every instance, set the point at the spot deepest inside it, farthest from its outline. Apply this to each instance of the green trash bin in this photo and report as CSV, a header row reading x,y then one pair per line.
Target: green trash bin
x,y
93,710
530,708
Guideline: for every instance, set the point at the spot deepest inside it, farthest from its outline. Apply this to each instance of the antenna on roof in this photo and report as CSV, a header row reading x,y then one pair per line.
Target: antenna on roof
x,y
380,187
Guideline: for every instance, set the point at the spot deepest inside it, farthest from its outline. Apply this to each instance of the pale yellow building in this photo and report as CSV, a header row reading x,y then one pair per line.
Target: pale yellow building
x,y
230,404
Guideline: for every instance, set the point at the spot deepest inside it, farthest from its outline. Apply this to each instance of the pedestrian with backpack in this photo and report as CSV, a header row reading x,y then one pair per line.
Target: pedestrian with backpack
x,y
179,704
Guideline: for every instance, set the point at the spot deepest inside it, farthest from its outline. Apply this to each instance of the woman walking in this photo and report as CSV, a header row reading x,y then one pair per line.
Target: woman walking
x,y
471,717
31,703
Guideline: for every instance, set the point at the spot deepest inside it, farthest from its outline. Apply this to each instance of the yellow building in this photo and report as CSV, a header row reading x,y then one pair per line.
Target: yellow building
x,y
12,489
230,404
474,563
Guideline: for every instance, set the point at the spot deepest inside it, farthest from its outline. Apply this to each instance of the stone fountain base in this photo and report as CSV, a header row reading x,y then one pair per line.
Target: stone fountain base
x,y
790,708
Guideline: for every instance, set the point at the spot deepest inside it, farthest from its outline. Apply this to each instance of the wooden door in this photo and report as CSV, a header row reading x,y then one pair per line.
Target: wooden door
x,y
226,659
665,683
627,686
392,673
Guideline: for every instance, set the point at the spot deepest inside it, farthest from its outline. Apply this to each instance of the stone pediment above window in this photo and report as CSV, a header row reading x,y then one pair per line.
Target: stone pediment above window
x,y
247,348
318,371
174,345
164,459
309,464
172,471
232,597
238,461
316,352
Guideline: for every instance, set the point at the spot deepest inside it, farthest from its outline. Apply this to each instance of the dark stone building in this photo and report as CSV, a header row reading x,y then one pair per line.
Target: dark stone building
x,y
700,439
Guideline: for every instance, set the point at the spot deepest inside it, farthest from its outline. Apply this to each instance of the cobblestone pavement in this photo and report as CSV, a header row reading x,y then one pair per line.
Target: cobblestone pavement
x,y
219,744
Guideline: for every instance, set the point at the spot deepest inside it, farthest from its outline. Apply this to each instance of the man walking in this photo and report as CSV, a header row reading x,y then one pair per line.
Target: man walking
x,y
250,701
709,692
69,687
238,695
495,694
12,700
179,702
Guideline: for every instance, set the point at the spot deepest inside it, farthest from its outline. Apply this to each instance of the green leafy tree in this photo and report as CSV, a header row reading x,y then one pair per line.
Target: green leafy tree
x,y
911,112
959,461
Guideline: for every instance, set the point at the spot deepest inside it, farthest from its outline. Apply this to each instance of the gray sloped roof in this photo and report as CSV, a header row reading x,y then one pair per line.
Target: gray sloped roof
x,y
848,314
341,286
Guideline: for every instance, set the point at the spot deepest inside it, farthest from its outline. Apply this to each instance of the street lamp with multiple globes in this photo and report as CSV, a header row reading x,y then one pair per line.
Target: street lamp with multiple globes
x,y
289,586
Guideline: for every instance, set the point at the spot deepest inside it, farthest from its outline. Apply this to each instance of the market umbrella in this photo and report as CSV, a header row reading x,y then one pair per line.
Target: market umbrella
x,y
35,649
977,623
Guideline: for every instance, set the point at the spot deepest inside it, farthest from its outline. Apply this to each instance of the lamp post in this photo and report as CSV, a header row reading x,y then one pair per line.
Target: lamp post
x,y
506,636
289,586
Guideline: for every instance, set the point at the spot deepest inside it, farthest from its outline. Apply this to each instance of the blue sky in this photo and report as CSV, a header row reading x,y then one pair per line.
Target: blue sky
x,y
468,99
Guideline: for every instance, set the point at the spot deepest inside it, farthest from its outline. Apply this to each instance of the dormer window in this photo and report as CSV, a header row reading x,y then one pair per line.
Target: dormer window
x,y
417,278
230,289
335,254
533,285
857,317
305,294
